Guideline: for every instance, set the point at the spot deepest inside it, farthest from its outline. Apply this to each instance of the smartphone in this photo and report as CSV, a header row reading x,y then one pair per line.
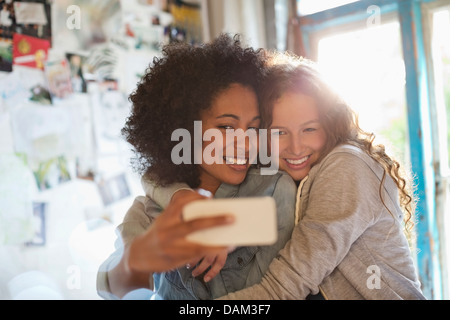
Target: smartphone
x,y
255,221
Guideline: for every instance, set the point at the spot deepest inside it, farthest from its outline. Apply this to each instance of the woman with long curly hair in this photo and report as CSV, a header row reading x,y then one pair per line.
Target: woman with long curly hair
x,y
353,204
216,85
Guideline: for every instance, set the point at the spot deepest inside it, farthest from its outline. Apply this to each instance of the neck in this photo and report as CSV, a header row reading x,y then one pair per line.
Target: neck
x,y
209,187
209,183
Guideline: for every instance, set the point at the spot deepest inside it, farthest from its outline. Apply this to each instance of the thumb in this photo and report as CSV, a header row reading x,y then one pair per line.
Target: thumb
x,y
175,207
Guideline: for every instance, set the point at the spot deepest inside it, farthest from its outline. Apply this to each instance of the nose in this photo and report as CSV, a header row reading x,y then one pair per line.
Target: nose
x,y
242,141
296,145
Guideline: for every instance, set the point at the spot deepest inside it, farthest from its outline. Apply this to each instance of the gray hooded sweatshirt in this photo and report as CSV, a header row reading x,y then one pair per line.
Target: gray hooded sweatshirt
x,y
346,244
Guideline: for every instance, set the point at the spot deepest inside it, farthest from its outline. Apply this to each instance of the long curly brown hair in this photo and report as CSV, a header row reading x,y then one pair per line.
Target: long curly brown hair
x,y
288,72
173,93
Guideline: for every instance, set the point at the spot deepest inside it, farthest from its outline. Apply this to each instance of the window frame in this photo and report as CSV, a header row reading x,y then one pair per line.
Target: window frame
x,y
413,17
439,126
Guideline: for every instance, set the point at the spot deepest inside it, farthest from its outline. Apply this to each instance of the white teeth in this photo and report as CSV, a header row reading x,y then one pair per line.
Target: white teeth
x,y
230,160
297,162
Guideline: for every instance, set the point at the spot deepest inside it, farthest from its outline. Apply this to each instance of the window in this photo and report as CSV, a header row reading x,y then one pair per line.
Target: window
x,y
391,60
306,7
440,46
367,67
440,52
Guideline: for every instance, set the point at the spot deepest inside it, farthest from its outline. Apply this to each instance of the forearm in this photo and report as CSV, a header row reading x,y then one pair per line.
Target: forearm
x,y
280,282
122,279
114,277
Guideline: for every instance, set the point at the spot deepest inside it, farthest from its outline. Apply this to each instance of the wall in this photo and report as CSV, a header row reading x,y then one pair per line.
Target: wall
x,y
78,226
238,16
53,250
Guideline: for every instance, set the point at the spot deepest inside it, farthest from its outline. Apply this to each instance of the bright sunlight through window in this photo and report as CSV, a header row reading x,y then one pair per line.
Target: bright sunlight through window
x,y
367,67
441,62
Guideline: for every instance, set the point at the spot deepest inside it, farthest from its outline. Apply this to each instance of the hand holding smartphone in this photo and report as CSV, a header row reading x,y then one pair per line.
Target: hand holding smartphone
x,y
255,221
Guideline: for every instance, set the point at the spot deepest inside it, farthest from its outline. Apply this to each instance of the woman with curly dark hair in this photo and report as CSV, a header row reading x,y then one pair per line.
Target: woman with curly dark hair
x,y
354,205
194,89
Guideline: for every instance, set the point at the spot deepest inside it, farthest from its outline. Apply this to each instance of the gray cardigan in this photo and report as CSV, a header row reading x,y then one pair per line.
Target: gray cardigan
x,y
346,244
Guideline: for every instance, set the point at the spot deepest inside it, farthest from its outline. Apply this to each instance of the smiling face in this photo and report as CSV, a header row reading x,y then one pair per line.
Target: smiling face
x,y
301,135
233,109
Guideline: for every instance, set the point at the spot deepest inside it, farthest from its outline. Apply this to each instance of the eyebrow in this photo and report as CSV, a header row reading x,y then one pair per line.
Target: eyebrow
x,y
229,115
310,121
302,125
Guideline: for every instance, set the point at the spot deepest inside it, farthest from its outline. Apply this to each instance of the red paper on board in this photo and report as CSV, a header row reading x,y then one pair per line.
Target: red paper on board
x,y
29,51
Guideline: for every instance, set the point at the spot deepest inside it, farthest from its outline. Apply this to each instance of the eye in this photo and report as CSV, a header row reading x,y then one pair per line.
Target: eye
x,y
278,132
309,129
225,127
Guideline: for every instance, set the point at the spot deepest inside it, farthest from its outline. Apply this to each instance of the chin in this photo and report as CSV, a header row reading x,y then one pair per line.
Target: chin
x,y
235,179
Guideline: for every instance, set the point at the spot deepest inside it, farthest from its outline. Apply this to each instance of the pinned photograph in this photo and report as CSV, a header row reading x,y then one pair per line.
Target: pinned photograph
x,y
6,19
6,56
40,95
33,18
77,67
114,189
51,173
58,78
39,213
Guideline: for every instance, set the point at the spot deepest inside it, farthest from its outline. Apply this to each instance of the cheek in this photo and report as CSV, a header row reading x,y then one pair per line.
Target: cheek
x,y
319,142
212,147
315,142
282,144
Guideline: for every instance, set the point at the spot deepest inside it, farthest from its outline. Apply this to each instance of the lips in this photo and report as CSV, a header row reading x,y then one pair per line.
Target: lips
x,y
297,163
237,164
236,161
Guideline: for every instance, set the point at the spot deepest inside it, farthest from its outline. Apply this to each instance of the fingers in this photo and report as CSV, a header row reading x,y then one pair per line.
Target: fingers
x,y
206,262
192,263
164,246
204,223
216,265
180,201
164,231
175,208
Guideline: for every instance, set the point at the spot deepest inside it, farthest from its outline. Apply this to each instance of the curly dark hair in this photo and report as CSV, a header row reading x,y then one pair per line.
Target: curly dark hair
x,y
174,91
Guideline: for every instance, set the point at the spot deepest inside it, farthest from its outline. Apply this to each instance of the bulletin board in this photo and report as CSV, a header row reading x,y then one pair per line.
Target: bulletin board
x,y
67,68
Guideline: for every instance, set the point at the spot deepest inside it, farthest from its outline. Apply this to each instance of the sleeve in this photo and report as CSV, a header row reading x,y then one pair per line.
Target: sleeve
x,y
340,208
136,221
284,194
162,195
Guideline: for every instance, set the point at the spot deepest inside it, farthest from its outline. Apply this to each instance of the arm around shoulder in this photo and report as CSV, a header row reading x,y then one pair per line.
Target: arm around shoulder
x,y
161,247
114,278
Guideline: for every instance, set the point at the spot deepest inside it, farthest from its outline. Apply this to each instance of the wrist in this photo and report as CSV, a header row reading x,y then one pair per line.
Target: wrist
x,y
131,257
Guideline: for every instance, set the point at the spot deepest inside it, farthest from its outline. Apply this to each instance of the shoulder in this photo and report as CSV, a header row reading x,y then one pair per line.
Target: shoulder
x,y
349,156
256,173
347,150
279,177
142,211
348,161
277,183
